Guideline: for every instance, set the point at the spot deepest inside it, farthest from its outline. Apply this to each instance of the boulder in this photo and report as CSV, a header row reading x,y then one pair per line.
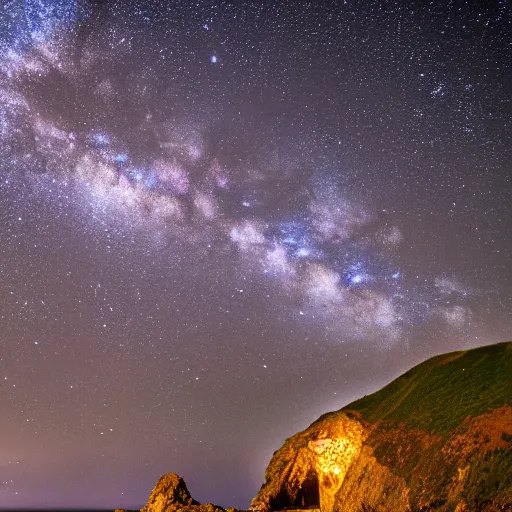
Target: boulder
x,y
171,495
169,492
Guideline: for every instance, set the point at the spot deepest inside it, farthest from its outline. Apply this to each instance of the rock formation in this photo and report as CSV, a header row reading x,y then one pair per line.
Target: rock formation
x,y
171,495
437,438
169,491
311,466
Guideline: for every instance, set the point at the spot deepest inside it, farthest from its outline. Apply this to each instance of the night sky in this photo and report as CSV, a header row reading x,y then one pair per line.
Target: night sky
x,y
219,220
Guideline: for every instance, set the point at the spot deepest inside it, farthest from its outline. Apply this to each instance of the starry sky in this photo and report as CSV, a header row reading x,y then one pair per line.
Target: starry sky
x,y
222,219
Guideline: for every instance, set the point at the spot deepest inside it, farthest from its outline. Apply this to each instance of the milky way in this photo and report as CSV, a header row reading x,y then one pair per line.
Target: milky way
x,y
298,200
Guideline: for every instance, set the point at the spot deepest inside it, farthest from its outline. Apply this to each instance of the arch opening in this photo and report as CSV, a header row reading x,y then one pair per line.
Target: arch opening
x,y
306,496
309,493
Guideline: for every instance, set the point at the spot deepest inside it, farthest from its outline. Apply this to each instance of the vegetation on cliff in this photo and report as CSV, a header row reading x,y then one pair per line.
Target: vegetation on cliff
x,y
440,393
445,427
438,438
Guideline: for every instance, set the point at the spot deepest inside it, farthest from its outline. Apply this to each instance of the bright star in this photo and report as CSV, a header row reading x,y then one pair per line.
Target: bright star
x,y
303,252
121,158
136,174
101,139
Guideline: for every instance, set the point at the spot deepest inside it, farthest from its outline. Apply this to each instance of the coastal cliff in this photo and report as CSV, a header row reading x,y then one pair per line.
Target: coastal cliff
x,y
437,438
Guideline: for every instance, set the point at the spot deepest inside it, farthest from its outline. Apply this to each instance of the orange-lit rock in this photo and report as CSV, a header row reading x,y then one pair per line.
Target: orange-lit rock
x,y
169,491
438,438
171,495
310,468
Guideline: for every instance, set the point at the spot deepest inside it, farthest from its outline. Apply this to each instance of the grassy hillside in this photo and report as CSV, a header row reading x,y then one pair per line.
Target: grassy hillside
x,y
438,394
439,437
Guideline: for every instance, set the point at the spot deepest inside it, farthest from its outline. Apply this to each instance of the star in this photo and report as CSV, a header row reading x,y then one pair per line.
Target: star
x,y
324,202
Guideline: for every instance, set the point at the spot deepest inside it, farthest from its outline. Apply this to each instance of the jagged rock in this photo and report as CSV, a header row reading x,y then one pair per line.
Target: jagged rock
x,y
437,438
310,467
171,495
169,492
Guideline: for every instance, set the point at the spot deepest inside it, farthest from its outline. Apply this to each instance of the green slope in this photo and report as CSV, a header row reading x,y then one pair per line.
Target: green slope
x,y
438,394
418,444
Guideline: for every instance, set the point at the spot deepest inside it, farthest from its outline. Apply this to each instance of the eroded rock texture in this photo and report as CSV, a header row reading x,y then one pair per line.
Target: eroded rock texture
x,y
438,438
171,495
169,491
344,464
309,470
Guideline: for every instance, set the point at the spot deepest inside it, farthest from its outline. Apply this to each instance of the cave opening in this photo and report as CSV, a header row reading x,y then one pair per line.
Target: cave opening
x,y
306,497
309,493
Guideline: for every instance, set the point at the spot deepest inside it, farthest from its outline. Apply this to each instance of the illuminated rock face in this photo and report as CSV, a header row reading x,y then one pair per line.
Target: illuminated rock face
x,y
333,459
438,438
171,495
170,490
309,470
